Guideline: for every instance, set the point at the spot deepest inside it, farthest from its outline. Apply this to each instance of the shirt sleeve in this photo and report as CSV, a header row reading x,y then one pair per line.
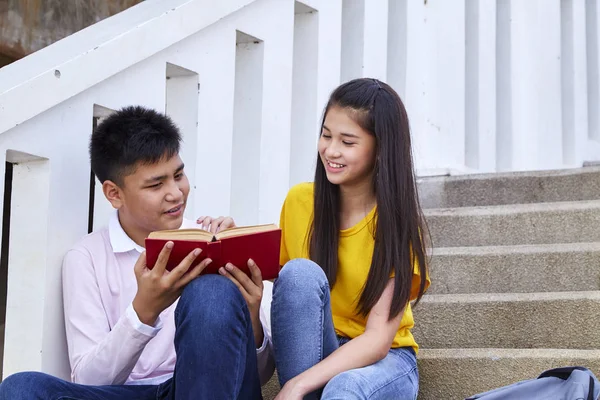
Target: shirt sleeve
x,y
283,253
98,354
416,282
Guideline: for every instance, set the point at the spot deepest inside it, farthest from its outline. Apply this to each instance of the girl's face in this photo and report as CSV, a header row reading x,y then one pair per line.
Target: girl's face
x,y
346,150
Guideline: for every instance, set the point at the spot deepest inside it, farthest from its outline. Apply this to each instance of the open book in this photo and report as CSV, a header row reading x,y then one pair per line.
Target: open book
x,y
235,245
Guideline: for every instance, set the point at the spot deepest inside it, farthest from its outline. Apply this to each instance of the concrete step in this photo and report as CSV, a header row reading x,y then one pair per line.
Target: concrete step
x,y
541,223
509,320
452,374
271,388
516,269
510,188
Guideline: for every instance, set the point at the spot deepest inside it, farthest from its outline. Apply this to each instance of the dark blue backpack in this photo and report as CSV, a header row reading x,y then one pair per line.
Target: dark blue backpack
x,y
569,383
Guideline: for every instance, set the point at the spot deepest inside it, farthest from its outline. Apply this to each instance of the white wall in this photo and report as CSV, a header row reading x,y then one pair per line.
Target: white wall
x,y
61,136
490,85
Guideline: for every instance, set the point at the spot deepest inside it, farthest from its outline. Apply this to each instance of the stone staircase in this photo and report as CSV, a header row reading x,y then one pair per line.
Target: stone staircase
x,y
515,279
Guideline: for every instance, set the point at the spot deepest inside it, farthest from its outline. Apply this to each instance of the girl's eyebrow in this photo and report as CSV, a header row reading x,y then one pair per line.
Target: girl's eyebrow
x,y
352,135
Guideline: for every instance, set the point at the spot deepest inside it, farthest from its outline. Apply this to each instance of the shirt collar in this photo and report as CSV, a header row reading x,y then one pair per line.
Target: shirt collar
x,y
122,243
119,240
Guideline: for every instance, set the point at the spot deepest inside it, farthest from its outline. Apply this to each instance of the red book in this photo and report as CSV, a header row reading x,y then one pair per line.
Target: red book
x,y
235,245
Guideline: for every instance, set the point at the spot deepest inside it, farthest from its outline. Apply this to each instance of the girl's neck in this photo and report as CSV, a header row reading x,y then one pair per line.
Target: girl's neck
x,y
357,201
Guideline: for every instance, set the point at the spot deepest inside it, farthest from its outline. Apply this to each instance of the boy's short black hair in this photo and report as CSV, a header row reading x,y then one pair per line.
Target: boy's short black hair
x,y
131,136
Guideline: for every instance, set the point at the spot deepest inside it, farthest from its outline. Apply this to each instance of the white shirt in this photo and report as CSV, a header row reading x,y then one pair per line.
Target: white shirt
x,y
108,345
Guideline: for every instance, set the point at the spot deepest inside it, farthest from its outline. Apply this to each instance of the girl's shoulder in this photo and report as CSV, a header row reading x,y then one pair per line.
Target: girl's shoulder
x,y
301,193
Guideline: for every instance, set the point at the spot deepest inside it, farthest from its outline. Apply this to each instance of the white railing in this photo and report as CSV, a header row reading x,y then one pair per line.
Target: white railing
x,y
490,85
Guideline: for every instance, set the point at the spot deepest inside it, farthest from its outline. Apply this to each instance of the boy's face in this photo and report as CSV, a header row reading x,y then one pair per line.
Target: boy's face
x,y
153,197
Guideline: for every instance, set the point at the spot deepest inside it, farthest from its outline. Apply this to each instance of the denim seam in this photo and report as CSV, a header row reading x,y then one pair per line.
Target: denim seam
x,y
169,393
239,381
176,312
392,381
322,323
324,287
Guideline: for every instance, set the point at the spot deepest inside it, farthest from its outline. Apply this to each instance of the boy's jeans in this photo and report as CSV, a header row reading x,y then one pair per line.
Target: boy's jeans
x,y
303,334
216,355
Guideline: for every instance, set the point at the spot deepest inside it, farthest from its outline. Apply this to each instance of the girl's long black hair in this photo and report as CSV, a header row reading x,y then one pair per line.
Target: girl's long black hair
x,y
400,228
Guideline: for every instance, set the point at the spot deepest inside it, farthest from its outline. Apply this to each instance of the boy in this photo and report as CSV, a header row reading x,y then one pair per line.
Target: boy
x,y
125,323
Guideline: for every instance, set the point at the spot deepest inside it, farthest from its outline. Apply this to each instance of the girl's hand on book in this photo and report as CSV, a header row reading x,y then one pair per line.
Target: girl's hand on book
x,y
159,288
251,288
215,225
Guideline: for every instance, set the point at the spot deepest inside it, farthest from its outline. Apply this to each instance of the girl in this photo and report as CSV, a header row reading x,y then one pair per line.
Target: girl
x,y
353,257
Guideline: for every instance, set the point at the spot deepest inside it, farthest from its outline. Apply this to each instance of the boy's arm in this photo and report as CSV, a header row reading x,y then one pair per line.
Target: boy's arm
x,y
98,355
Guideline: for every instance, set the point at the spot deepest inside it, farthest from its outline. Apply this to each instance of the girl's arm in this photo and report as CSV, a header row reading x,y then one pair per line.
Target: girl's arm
x,y
373,345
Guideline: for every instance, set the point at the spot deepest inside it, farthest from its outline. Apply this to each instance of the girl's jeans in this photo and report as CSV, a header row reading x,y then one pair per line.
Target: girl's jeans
x,y
303,335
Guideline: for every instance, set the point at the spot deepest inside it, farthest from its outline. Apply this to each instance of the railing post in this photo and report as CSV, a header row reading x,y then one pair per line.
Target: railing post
x,y
435,84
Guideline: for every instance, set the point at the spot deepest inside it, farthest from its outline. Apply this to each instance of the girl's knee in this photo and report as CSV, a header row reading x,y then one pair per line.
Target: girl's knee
x,y
347,385
373,383
301,272
300,282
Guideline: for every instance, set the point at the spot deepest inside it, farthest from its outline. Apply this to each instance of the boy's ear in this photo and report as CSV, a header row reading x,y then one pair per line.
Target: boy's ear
x,y
113,194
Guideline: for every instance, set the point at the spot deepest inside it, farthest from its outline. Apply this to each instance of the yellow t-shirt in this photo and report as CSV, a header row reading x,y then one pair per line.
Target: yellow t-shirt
x,y
354,261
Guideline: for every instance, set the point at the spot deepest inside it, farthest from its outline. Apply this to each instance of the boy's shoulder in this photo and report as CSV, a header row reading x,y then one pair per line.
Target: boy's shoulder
x,y
92,244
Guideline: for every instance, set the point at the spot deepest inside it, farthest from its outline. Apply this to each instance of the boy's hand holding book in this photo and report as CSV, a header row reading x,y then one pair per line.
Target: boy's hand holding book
x,y
157,290
245,255
236,245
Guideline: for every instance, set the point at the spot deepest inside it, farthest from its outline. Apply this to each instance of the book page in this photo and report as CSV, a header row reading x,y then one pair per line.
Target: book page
x,y
245,230
198,235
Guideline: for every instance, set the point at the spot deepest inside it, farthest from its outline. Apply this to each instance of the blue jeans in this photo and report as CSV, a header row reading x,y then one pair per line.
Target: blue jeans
x,y
303,335
216,355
